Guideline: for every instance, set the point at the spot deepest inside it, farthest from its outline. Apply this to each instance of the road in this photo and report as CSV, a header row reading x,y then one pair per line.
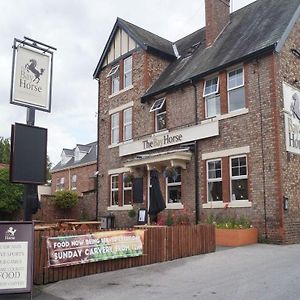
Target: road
x,y
253,272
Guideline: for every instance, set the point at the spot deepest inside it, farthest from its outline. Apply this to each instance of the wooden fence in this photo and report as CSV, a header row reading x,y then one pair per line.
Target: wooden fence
x,y
160,244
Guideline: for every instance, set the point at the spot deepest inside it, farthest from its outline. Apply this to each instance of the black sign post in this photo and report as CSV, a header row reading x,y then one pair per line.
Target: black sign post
x,y
16,259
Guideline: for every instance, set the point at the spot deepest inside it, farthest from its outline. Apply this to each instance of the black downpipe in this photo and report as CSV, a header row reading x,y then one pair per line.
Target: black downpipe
x,y
262,148
97,168
196,167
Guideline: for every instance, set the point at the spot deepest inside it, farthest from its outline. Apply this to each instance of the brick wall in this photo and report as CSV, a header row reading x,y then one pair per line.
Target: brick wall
x,y
85,178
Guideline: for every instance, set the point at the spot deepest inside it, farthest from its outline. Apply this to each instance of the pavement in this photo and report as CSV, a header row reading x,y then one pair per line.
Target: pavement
x,y
258,271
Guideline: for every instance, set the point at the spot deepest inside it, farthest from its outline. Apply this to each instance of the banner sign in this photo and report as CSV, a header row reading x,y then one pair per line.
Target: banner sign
x,y
291,98
97,246
31,78
16,241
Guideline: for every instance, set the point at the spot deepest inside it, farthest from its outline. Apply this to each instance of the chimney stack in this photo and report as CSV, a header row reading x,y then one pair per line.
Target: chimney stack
x,y
217,16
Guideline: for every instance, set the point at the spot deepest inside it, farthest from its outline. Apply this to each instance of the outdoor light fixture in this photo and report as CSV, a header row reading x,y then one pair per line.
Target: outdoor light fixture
x,y
285,203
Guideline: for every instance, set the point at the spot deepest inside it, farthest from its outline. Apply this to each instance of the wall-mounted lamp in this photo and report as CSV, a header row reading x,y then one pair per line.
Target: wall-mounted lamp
x,y
285,203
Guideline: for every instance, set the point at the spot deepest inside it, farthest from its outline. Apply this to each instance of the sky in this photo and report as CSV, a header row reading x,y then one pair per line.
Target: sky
x,y
79,29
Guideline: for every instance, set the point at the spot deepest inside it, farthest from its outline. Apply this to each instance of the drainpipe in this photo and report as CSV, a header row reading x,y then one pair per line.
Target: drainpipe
x,y
196,166
97,167
262,147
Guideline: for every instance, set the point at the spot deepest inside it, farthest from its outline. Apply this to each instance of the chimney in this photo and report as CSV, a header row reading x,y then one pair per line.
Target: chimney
x,y
217,15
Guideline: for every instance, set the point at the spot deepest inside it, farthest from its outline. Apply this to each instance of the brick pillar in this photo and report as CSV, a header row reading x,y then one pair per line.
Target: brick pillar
x,y
223,92
225,179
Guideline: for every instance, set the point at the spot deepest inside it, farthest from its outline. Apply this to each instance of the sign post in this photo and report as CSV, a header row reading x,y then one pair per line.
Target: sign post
x,y
31,86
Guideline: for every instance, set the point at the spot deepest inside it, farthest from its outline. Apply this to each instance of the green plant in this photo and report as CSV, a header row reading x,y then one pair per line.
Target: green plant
x,y
132,213
169,220
229,222
65,199
10,194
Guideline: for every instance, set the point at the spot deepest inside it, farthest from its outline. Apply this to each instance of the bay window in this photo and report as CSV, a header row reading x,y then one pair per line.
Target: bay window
x,y
236,89
214,180
174,187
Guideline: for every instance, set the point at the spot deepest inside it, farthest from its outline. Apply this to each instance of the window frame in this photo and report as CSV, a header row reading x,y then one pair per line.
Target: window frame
x,y
114,189
125,125
114,69
153,108
127,72
171,184
209,180
126,188
114,128
160,113
62,184
74,183
217,89
229,89
239,177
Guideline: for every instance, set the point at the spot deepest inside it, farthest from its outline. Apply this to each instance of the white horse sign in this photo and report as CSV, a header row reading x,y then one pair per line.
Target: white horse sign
x,y
291,97
31,78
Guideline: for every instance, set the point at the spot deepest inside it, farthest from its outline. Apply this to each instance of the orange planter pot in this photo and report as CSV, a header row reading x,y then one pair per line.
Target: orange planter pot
x,y
236,237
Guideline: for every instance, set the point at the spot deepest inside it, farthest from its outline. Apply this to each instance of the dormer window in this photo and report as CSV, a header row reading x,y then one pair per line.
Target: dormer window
x,y
212,97
77,154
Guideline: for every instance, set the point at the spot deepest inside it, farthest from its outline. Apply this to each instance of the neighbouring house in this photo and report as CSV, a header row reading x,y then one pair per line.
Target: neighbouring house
x,y
219,109
77,169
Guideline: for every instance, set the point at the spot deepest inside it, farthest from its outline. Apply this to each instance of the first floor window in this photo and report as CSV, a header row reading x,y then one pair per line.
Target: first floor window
x,y
114,190
236,89
212,106
214,180
127,192
62,183
115,128
174,187
127,124
161,118
239,178
74,181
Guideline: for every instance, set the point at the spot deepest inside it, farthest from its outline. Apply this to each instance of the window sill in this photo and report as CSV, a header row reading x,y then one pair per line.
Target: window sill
x,y
229,115
120,92
232,204
174,206
121,143
120,208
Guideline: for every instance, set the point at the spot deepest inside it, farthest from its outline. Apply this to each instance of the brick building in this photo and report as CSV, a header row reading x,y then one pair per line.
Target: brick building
x,y
77,169
218,108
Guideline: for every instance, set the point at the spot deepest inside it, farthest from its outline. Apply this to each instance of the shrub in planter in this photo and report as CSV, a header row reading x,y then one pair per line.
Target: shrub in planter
x,y
65,199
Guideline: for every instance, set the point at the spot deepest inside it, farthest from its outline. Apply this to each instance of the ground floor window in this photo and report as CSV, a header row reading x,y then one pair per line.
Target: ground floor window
x,y
173,184
239,178
214,180
120,190
74,182
114,190
127,192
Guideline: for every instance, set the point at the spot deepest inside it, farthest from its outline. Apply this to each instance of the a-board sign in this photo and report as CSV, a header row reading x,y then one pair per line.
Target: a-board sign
x,y
16,251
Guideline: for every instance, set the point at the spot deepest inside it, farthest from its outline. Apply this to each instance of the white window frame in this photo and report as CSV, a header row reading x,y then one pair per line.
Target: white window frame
x,y
157,114
126,72
238,177
57,187
74,182
127,124
62,184
113,71
115,127
220,179
153,108
114,189
126,188
235,87
217,89
170,184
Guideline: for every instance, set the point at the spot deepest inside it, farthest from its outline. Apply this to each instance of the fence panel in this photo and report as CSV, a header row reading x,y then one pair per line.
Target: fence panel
x,y
161,244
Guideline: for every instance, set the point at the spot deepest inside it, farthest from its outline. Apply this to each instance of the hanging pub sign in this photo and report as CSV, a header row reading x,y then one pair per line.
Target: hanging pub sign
x,y
31,76
16,252
291,97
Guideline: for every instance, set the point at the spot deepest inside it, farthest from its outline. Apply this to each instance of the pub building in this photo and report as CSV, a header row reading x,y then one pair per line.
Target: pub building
x,y
207,124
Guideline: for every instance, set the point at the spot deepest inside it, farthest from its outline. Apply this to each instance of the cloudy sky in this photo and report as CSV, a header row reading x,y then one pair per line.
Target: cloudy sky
x,y
79,30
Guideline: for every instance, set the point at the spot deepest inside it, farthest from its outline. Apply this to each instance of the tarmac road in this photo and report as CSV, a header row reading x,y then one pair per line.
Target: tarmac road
x,y
253,272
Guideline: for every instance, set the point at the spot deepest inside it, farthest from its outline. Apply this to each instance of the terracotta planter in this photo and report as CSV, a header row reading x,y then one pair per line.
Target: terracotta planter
x,y
236,237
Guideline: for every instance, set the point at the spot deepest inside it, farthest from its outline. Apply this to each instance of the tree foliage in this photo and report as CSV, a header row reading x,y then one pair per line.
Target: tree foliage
x,y
10,194
65,199
4,150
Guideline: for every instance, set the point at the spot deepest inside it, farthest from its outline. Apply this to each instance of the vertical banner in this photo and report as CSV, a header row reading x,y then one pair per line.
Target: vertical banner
x,y
291,98
16,248
31,77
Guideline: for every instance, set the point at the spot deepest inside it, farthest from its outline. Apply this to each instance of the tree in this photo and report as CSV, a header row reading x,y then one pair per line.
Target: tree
x,y
4,150
10,194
